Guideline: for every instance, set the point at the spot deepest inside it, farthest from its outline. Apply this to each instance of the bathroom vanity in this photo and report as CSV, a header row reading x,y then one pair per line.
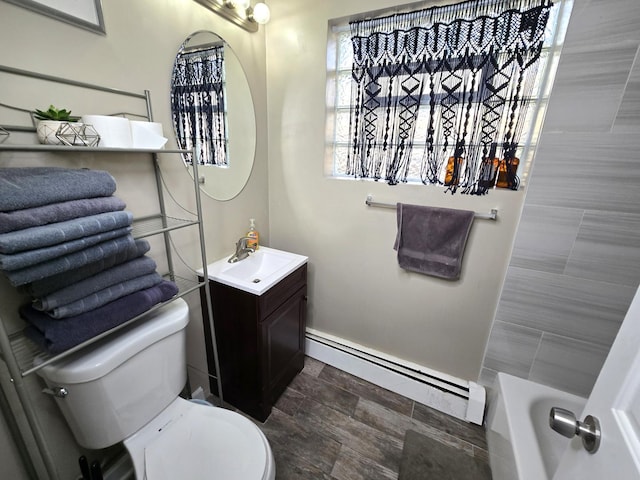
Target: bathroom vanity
x,y
259,310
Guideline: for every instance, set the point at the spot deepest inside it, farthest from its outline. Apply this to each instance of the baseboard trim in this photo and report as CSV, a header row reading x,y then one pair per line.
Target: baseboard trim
x,y
460,398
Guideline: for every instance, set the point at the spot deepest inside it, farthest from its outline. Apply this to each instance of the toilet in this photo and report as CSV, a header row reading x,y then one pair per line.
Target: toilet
x,y
125,388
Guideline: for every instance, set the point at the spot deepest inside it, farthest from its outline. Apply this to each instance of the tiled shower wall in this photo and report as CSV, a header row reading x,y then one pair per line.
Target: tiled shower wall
x,y
575,265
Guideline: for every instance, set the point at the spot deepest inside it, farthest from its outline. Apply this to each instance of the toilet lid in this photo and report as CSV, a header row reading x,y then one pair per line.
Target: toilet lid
x,y
206,442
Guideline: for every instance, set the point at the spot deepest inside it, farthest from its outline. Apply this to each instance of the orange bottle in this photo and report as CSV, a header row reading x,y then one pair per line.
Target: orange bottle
x,y
507,173
454,165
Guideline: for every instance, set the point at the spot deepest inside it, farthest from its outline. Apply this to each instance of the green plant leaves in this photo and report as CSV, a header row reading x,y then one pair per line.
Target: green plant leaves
x,y
53,113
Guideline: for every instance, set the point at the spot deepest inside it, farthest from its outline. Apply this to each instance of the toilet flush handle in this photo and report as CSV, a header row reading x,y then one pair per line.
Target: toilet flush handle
x,y
59,392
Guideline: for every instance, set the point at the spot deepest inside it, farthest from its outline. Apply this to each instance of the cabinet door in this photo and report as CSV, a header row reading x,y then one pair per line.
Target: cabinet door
x,y
283,334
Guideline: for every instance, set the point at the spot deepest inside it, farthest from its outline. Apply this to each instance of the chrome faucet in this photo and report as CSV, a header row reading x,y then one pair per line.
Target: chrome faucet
x,y
242,250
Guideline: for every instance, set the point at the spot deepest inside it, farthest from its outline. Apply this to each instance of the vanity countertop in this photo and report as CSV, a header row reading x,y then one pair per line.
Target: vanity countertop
x,y
256,273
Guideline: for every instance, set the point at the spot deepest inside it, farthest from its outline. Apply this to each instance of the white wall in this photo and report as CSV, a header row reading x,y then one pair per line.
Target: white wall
x,y
136,54
357,291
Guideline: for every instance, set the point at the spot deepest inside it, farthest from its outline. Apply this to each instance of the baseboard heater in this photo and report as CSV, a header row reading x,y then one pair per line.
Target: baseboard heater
x,y
459,398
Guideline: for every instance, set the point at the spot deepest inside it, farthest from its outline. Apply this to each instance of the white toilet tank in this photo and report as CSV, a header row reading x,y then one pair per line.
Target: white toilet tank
x,y
120,383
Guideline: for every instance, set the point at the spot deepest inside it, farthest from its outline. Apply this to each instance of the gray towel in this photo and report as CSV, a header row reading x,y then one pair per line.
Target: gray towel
x,y
58,212
70,261
57,233
32,187
432,240
100,281
28,258
102,297
126,251
56,336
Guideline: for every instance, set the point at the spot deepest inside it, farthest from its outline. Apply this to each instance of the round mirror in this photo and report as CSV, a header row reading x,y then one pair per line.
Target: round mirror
x,y
212,113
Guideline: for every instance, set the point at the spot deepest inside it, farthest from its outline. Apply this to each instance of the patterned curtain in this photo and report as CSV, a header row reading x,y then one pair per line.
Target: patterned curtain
x,y
468,69
198,105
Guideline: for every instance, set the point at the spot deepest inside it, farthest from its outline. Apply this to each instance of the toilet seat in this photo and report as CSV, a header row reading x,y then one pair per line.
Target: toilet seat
x,y
195,441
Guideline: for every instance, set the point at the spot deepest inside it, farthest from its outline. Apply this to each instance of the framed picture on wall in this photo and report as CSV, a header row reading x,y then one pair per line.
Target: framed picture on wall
x,y
85,14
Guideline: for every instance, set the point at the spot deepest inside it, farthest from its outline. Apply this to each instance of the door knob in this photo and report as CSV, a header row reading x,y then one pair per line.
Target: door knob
x,y
565,423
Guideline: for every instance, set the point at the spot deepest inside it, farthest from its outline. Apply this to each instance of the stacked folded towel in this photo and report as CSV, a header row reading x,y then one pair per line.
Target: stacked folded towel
x,y
66,241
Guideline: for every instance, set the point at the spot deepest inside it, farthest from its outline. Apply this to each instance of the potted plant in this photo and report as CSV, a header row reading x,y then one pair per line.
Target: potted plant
x,y
50,121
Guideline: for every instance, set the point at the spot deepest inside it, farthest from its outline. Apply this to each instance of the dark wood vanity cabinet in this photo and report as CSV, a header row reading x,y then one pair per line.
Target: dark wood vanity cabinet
x,y
260,341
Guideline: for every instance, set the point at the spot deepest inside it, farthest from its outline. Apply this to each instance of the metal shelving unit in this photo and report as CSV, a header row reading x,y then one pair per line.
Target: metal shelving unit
x,y
17,351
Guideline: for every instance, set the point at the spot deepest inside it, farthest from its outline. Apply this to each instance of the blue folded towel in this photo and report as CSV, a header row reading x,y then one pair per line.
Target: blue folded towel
x,y
57,233
70,261
128,250
56,336
28,258
104,279
102,297
58,212
32,187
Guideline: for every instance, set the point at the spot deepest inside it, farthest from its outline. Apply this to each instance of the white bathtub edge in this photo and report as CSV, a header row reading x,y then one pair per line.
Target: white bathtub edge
x,y
514,452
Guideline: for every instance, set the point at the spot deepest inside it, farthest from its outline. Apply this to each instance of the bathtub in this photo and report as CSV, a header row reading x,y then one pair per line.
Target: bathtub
x,y
521,444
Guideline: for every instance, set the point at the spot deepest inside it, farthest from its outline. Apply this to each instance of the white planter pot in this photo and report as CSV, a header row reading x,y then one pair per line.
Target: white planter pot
x,y
46,130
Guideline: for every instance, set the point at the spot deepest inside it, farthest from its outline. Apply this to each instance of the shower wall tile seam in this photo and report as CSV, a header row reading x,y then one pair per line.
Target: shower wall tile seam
x,y
545,249
546,336
572,259
535,356
552,207
574,376
487,377
573,246
625,89
539,300
627,115
568,276
517,360
606,248
590,69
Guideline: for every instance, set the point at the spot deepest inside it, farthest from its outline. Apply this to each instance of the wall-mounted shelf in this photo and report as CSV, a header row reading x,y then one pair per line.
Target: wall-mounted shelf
x,y
64,148
24,349
147,226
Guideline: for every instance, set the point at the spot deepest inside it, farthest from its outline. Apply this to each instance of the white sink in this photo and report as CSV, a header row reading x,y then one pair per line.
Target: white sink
x,y
256,273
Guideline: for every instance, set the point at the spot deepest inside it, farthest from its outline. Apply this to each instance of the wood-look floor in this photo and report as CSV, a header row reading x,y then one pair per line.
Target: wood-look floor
x,y
333,426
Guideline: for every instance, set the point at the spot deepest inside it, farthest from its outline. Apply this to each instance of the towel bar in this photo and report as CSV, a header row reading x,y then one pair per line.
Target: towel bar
x,y
493,215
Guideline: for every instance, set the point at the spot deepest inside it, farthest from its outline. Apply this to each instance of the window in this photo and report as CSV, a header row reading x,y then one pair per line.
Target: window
x,y
427,99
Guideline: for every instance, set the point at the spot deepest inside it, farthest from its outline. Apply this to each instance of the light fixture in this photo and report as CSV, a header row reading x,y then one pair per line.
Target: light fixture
x,y
260,13
240,12
240,5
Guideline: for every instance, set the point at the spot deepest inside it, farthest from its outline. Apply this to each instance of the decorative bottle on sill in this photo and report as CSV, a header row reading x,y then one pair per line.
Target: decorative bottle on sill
x,y
507,173
454,165
489,169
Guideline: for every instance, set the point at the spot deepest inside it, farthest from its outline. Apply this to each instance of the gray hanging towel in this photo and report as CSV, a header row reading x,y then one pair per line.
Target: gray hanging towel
x,y
431,240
